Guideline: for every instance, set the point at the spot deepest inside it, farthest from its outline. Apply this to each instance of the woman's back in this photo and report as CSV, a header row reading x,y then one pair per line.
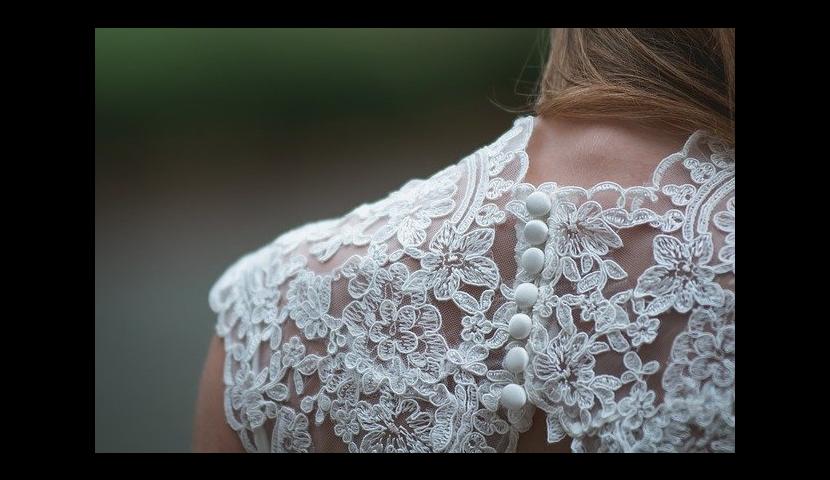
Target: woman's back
x,y
562,285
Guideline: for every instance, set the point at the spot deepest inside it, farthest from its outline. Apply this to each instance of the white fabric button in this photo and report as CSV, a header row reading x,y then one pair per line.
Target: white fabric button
x,y
533,260
526,294
536,232
519,326
513,397
516,359
538,203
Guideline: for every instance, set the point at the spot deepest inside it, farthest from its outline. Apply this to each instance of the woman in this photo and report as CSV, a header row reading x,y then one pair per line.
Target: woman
x,y
569,287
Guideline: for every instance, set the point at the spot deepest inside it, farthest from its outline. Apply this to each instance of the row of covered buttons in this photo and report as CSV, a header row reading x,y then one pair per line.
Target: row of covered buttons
x,y
538,204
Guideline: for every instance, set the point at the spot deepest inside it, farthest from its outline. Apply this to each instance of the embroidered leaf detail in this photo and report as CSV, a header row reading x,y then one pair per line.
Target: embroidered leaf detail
x,y
555,431
498,339
569,269
614,270
486,299
299,383
441,433
466,302
587,263
617,341
565,317
307,404
595,280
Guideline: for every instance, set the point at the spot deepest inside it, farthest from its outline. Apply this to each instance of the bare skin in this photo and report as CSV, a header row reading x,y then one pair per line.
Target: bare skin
x,y
211,433
585,152
570,152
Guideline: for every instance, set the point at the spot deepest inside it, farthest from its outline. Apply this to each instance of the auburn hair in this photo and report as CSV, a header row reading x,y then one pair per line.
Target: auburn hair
x,y
682,79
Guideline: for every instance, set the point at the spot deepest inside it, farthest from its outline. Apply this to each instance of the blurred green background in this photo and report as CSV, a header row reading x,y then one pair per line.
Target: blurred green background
x,y
211,142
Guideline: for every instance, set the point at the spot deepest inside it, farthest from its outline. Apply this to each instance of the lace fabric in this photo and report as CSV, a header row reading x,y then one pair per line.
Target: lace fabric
x,y
386,330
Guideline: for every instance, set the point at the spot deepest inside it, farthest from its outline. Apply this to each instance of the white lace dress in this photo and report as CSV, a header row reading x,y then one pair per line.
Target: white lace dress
x,y
441,317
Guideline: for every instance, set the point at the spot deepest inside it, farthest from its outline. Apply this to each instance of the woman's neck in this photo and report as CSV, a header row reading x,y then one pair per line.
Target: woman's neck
x,y
585,152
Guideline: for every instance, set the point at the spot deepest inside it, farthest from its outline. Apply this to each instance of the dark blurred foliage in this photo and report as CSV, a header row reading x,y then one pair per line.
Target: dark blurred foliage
x,y
211,142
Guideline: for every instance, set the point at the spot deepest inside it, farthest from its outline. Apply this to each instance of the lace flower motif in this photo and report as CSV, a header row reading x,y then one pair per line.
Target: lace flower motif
x,y
292,351
643,330
475,328
398,330
466,362
291,432
575,231
637,407
394,424
346,425
309,297
681,277
407,347
715,357
368,279
701,422
264,299
246,397
566,367
700,356
454,258
401,344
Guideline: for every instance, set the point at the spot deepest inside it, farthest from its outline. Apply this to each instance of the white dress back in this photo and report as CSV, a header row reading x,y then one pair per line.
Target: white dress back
x,y
423,323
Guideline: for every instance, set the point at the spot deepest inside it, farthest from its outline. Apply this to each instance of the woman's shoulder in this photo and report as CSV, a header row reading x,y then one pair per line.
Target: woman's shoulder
x,y
468,193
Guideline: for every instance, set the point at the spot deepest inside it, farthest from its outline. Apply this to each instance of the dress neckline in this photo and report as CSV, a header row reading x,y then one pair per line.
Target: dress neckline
x,y
528,123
